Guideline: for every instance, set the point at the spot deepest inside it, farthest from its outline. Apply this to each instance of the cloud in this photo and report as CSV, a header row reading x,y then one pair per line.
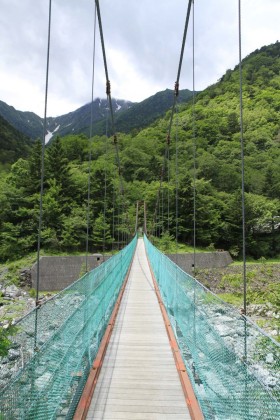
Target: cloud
x,y
143,42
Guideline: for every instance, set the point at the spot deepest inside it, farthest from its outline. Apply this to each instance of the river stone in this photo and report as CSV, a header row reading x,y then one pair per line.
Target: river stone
x,y
15,345
269,358
224,330
5,373
13,354
12,291
3,384
53,326
42,380
271,381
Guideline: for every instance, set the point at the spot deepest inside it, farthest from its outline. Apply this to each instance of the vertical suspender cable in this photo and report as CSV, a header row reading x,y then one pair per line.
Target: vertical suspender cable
x,y
113,220
243,207
89,171
145,218
118,226
42,175
176,185
136,218
194,180
90,136
176,204
168,192
162,211
242,165
105,188
194,151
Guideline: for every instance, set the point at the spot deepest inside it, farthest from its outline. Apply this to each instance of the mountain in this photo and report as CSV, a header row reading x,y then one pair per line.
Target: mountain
x,y
208,132
28,123
78,121
13,144
142,114
128,116
75,122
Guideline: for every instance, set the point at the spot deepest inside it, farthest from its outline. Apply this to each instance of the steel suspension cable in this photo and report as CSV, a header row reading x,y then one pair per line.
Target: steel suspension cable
x,y
162,211
177,83
108,92
168,190
176,94
246,389
108,85
242,161
105,64
90,136
194,176
176,184
42,175
89,165
113,220
136,217
176,203
105,187
194,145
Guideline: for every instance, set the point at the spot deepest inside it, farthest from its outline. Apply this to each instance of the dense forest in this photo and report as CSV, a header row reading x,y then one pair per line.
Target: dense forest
x,y
13,144
211,129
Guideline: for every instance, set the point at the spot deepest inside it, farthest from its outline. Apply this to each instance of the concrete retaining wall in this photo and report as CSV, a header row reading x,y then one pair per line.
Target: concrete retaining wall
x,y
202,260
56,273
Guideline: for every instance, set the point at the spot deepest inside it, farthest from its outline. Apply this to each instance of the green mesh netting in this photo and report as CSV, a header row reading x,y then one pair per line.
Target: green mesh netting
x,y
69,330
233,365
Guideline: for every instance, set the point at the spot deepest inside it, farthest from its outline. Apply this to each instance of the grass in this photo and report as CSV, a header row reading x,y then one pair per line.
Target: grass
x,y
168,245
14,310
233,299
11,276
261,260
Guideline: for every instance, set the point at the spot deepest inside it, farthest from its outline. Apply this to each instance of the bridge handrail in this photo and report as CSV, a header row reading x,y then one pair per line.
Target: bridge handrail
x,y
49,380
233,365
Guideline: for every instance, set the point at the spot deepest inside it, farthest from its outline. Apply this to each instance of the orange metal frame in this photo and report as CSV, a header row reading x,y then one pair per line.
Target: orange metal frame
x,y
85,400
191,400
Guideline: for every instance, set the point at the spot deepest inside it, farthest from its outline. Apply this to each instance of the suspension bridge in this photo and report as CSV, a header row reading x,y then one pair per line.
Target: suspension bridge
x,y
138,338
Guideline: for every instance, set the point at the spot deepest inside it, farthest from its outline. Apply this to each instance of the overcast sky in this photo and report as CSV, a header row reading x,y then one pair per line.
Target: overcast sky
x,y
143,41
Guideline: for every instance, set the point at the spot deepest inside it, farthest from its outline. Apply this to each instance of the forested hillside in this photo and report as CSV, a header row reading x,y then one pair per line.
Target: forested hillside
x,y
213,125
13,144
27,123
76,122
95,117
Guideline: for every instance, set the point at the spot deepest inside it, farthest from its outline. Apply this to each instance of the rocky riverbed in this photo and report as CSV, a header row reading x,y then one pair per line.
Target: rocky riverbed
x,y
263,291
16,301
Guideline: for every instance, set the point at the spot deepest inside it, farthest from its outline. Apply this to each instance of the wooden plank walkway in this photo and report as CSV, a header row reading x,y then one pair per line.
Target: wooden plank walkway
x,y
139,379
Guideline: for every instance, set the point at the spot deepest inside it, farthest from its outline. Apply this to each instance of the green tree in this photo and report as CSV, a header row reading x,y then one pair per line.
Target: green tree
x,y
57,167
102,239
33,176
74,230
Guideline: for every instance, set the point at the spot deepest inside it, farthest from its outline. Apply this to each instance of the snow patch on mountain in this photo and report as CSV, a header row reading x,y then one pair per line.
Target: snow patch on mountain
x,y
118,107
49,134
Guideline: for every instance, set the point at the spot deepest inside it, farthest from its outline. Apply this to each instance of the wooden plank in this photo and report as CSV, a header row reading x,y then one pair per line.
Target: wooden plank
x,y
98,415
139,379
